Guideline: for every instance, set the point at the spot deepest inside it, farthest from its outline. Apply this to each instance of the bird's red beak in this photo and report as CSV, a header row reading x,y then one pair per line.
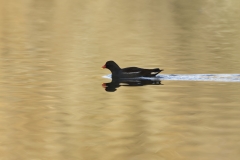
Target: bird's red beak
x,y
104,85
104,66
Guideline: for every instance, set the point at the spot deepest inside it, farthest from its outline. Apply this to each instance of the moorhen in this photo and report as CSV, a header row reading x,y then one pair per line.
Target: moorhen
x,y
130,72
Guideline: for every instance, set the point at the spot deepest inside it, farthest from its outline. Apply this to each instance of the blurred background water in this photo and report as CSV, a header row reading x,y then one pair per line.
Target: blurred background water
x,y
52,104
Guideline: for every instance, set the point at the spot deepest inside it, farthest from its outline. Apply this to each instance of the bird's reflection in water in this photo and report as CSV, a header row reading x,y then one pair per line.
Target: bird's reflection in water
x,y
111,87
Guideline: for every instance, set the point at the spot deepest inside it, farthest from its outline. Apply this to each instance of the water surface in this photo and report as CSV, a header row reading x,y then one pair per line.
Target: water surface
x,y
53,106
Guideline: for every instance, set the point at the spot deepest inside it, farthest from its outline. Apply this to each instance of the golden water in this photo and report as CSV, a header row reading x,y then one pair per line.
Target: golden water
x,y
52,105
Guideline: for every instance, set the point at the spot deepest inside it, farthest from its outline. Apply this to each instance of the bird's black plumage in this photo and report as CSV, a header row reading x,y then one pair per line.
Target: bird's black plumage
x,y
130,72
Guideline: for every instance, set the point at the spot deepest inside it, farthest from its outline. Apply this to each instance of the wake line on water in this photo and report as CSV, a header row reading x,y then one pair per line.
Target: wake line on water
x,y
192,77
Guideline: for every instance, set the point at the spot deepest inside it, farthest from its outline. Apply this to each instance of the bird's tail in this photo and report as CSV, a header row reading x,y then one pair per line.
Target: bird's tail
x,y
155,71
